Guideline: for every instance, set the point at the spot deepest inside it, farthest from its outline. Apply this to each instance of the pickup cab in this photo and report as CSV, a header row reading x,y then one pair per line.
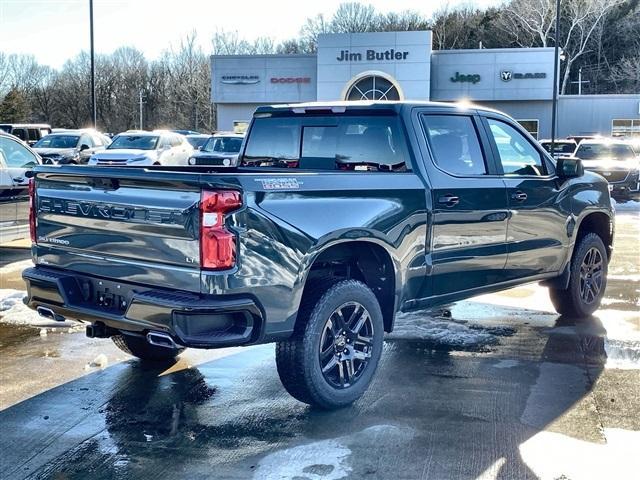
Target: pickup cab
x,y
337,217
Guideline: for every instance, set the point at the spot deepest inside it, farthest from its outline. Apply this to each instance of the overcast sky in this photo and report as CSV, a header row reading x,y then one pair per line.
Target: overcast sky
x,y
55,30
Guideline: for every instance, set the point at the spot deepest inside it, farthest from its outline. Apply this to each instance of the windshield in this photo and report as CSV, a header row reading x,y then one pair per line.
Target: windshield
x,y
559,147
58,141
224,145
197,141
136,142
593,151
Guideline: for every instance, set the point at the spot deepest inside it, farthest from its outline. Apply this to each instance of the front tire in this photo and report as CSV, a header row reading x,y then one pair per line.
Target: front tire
x,y
587,279
139,347
332,356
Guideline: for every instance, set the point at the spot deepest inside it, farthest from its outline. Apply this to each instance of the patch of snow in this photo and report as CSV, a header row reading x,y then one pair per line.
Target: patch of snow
x,y
43,332
506,364
13,311
628,205
622,340
100,361
553,455
445,332
16,266
10,297
327,459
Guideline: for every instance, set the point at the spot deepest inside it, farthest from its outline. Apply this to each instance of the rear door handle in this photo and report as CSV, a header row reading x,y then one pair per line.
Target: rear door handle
x,y
519,196
449,200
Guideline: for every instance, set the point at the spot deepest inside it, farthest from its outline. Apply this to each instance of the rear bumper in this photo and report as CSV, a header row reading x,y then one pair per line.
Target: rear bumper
x,y
197,321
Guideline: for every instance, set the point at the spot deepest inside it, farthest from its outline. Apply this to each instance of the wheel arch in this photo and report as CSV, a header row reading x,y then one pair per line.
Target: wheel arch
x,y
600,223
367,261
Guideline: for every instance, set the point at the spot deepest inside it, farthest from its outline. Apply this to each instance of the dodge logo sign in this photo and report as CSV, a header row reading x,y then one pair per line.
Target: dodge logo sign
x,y
505,75
290,80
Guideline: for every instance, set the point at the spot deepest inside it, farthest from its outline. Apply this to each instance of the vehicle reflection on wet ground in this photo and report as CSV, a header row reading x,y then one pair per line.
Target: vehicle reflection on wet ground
x,y
501,388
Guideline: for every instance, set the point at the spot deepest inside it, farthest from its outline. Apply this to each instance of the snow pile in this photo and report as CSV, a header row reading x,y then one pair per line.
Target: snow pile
x,y
445,332
626,206
9,298
13,311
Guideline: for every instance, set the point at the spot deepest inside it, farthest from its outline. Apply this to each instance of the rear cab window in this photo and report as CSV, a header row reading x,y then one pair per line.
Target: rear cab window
x,y
454,144
363,143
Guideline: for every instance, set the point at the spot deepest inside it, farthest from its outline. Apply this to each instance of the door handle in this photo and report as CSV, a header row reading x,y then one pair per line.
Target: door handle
x,y
19,180
519,196
449,200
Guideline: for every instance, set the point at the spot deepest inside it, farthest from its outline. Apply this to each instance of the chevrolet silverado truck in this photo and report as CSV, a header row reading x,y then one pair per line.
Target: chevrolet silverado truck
x,y
336,218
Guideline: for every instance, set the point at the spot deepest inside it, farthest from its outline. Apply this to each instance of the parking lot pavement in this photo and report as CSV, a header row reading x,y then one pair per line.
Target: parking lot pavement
x,y
504,388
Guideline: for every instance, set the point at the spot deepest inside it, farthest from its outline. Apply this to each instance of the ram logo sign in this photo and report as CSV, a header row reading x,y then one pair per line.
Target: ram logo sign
x,y
506,75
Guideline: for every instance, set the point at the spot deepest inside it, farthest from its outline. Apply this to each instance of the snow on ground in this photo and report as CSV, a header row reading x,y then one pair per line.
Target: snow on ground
x,y
13,311
626,206
445,332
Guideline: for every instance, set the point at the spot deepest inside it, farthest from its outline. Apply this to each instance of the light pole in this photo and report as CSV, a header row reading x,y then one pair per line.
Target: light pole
x,y
93,72
556,61
140,93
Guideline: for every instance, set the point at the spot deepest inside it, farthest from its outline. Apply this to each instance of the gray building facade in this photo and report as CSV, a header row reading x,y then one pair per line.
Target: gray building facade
x,y
402,66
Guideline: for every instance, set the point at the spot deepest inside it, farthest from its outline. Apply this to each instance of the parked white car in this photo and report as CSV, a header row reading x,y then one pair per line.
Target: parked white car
x,y
141,149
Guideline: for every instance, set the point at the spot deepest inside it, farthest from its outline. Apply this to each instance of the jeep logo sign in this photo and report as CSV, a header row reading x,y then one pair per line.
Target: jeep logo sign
x,y
470,78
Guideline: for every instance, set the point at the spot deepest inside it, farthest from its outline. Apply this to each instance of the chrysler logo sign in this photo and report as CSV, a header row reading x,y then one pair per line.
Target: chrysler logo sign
x,y
508,75
240,79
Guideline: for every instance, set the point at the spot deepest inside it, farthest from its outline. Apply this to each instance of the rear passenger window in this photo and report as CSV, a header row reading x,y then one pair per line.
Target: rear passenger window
x,y
454,143
21,133
347,143
33,135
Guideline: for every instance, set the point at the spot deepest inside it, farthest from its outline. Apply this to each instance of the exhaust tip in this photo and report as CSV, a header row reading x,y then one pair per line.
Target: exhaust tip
x,y
50,314
160,339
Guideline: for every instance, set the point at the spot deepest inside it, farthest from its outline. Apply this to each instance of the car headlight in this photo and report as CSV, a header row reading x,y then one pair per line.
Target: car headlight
x,y
192,161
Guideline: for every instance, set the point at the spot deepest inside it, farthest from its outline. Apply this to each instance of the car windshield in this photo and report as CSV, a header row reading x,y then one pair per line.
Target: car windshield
x,y
58,141
594,151
224,145
197,141
559,147
136,142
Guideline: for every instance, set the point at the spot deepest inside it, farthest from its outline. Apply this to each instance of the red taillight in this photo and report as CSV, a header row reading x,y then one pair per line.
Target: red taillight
x,y
32,209
217,244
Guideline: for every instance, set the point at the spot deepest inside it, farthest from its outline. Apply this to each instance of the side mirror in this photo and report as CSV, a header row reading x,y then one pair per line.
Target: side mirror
x,y
569,167
84,147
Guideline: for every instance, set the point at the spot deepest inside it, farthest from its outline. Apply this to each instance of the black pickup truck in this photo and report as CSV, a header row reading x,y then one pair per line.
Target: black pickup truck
x,y
337,217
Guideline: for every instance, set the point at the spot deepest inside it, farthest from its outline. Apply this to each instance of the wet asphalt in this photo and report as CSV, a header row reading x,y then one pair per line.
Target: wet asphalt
x,y
504,388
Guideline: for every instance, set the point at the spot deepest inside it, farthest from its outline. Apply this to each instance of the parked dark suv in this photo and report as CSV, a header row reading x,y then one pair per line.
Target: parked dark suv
x,y
337,217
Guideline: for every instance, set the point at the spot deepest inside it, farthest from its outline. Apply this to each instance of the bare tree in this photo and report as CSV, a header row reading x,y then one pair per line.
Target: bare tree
x,y
354,17
230,43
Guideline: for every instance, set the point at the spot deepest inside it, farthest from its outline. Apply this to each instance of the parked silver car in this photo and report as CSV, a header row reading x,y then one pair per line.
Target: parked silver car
x,y
15,159
141,149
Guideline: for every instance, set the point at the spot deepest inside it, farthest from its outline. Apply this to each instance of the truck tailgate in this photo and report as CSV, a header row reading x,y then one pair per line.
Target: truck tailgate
x,y
127,226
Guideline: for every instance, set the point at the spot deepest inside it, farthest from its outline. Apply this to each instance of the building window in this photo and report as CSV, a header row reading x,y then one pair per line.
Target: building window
x,y
530,126
625,128
373,87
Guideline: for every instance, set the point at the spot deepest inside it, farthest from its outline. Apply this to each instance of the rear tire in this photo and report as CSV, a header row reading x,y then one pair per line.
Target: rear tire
x,y
139,347
334,352
587,279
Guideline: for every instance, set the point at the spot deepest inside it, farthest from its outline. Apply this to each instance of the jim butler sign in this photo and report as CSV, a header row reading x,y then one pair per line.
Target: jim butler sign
x,y
369,55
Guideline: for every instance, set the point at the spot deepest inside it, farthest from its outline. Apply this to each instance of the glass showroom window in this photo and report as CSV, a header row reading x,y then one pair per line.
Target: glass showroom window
x,y
625,128
530,126
373,87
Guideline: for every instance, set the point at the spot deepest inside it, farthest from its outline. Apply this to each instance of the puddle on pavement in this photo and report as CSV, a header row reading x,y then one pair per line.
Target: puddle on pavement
x,y
12,335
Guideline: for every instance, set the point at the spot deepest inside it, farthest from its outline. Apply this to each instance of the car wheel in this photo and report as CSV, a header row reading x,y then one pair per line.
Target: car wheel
x,y
587,279
334,352
139,347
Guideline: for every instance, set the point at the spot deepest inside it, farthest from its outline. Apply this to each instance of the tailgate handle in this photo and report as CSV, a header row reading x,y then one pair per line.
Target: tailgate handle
x,y
104,183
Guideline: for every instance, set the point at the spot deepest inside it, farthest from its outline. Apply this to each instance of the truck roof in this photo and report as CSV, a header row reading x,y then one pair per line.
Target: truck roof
x,y
365,105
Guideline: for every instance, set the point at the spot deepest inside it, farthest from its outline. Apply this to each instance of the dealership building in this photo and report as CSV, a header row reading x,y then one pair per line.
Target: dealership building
x,y
403,66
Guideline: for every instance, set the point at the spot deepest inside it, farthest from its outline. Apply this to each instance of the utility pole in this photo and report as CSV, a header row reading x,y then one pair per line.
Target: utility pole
x,y
580,81
556,61
140,109
93,71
